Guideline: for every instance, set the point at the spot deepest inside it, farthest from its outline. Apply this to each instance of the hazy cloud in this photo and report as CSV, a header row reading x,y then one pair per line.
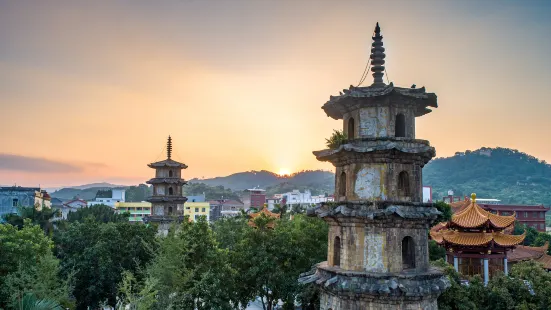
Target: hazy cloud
x,y
39,165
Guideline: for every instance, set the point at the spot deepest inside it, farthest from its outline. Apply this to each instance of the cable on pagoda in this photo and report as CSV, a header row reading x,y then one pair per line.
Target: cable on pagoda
x,y
366,69
386,73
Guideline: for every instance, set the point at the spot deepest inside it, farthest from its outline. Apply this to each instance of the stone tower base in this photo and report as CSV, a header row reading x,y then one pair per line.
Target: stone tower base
x,y
329,301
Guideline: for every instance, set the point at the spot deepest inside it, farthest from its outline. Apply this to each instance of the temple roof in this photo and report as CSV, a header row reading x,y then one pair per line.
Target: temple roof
x,y
371,145
267,213
475,238
349,99
539,254
167,181
356,97
167,163
474,216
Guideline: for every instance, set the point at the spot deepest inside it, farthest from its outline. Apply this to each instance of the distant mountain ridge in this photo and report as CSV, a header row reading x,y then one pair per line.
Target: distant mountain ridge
x,y
318,181
509,175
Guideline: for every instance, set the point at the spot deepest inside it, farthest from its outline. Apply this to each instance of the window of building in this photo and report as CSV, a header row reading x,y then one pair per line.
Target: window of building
x,y
169,210
400,126
170,173
351,128
187,208
15,202
403,184
542,226
139,208
202,209
525,214
342,184
196,209
170,191
542,214
337,251
408,253
196,216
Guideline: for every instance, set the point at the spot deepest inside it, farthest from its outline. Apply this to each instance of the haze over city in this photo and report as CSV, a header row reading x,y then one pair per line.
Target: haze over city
x,y
90,90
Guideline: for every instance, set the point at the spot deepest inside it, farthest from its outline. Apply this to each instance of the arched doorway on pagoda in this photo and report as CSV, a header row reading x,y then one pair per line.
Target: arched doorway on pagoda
x,y
408,253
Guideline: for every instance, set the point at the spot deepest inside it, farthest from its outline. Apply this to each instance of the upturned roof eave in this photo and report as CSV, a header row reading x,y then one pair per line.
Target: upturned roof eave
x,y
337,106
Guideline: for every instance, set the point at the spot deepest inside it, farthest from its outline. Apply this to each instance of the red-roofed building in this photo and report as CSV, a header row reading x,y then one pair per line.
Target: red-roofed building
x,y
531,216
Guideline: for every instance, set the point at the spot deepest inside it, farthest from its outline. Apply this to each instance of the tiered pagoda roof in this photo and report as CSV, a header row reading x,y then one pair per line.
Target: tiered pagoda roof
x,y
474,226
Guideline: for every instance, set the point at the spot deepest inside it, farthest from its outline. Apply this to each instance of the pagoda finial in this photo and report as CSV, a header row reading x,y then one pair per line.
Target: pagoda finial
x,y
473,197
169,147
377,57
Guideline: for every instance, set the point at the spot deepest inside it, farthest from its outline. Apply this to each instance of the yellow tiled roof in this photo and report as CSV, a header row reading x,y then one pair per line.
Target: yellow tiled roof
x,y
474,216
475,238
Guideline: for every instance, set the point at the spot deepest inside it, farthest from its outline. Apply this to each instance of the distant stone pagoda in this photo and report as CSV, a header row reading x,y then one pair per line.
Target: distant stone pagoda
x,y
167,201
378,256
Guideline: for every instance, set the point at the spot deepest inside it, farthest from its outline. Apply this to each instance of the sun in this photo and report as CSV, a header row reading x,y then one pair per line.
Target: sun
x,y
284,171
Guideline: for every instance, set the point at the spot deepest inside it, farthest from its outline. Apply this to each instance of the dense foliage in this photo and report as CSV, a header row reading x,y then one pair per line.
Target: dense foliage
x,y
527,288
509,175
98,253
27,265
99,213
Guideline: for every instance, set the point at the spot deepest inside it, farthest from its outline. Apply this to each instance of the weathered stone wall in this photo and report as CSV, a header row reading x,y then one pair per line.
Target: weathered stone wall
x,y
165,172
377,248
332,302
379,121
365,181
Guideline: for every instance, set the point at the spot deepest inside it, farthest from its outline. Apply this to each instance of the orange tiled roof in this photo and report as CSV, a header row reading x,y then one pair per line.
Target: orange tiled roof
x,y
475,238
266,212
539,254
474,216
459,205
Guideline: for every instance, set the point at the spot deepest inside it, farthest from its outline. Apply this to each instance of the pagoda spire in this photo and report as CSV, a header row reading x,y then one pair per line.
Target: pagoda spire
x,y
169,147
377,57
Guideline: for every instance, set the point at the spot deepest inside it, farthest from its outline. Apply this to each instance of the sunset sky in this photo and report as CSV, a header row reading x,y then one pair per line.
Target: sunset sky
x,y
90,90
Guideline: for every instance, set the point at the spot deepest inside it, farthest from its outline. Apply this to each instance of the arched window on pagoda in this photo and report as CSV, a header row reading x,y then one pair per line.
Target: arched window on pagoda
x,y
337,251
400,126
351,128
170,173
169,210
408,253
170,191
403,184
342,184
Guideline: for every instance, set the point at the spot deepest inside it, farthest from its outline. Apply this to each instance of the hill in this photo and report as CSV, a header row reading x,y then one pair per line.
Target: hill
x,y
70,193
316,180
509,175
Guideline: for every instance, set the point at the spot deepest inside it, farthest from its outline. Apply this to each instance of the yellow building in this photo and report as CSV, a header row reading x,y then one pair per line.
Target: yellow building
x,y
137,210
196,209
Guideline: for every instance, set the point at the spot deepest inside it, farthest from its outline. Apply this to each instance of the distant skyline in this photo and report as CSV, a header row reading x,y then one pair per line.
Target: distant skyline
x,y
90,90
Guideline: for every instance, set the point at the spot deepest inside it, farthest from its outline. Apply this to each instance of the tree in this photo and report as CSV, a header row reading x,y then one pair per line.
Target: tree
x,y
436,252
134,295
446,211
43,218
337,139
97,253
191,271
269,261
30,302
27,265
99,213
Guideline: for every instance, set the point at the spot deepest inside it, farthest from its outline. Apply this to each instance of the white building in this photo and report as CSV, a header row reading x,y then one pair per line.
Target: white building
x,y
118,195
71,206
297,198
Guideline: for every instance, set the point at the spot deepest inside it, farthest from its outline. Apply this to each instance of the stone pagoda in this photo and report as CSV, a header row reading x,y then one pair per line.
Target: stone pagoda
x,y
167,201
378,256
475,240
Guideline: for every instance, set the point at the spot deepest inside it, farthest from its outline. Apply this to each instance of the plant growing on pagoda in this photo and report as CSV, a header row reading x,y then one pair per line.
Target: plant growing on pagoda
x,y
337,139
